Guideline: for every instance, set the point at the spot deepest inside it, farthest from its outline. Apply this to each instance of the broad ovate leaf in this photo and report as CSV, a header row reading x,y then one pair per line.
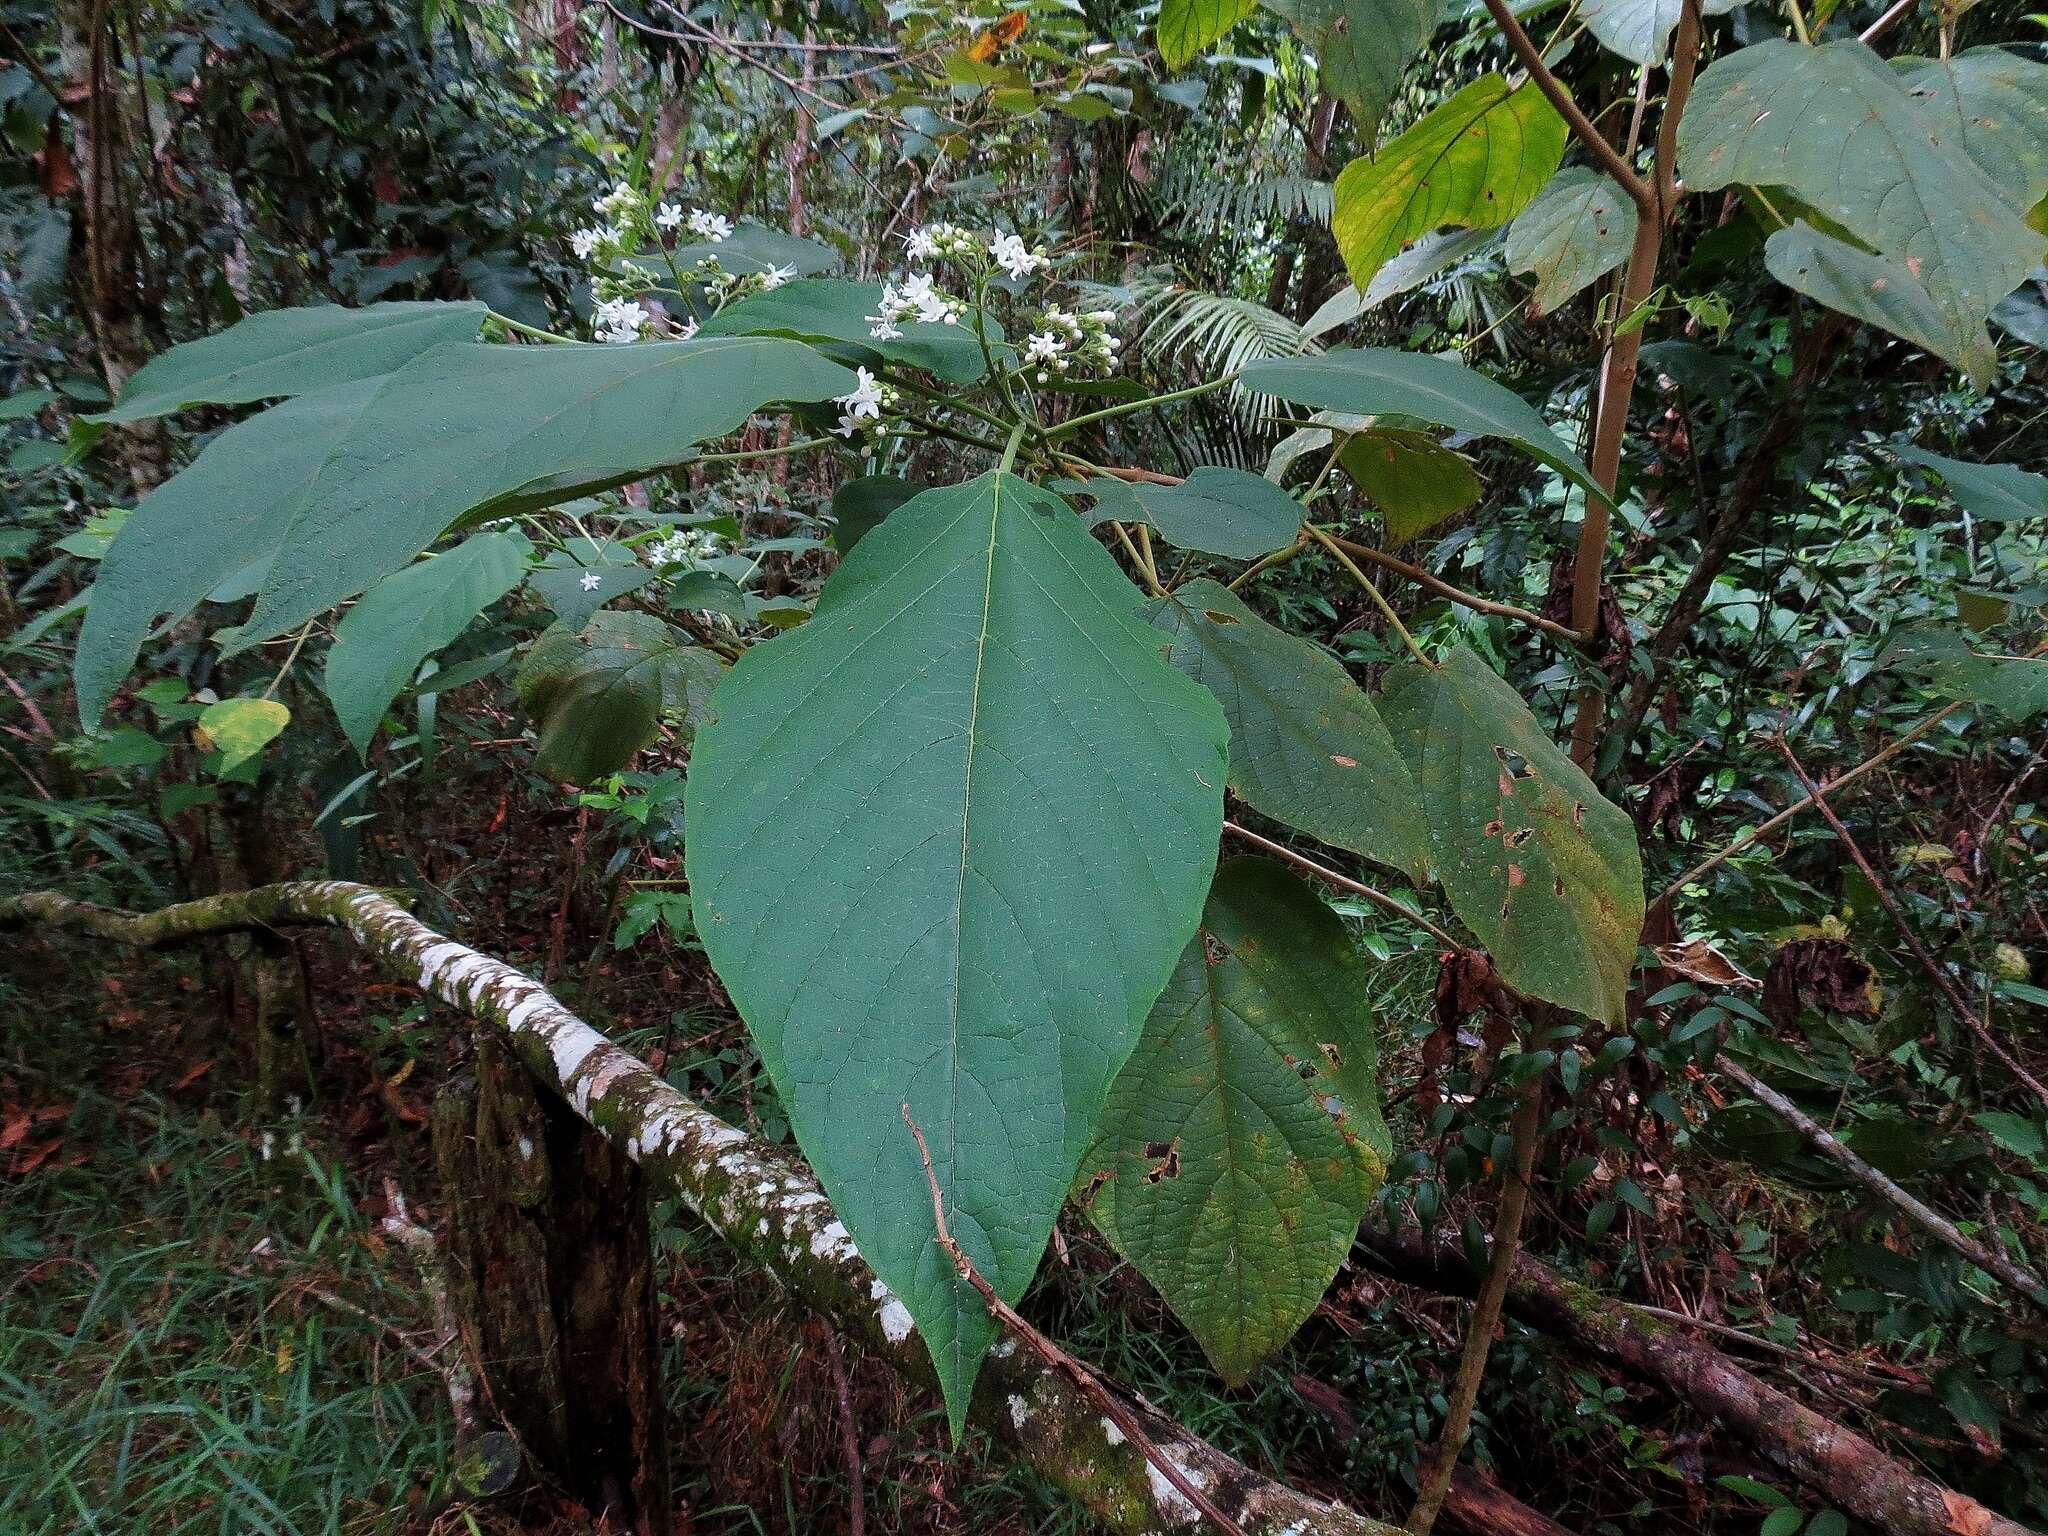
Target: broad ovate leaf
x,y
1415,481
1879,291
1838,128
238,729
1991,493
1994,104
1306,745
1535,862
1640,30
946,842
1227,512
859,506
1380,381
1243,1138
1474,161
321,497
598,693
1362,47
1186,27
380,642
291,352
1578,230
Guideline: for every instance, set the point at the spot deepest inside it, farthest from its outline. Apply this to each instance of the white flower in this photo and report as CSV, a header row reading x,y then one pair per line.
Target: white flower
x,y
687,329
865,398
669,216
584,242
921,244
591,581
1014,257
929,305
775,277
709,226
881,328
620,197
848,424
620,320
1043,347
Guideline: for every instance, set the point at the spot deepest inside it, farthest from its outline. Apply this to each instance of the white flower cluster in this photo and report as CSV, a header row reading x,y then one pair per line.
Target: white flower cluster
x,y
940,242
916,298
1065,338
688,547
621,319
623,222
1011,254
863,405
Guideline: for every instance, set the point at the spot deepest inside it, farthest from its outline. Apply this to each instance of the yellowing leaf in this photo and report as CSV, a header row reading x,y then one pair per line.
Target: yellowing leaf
x,y
240,728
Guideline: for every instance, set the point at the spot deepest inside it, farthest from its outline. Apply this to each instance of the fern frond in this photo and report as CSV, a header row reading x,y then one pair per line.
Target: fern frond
x,y
1212,334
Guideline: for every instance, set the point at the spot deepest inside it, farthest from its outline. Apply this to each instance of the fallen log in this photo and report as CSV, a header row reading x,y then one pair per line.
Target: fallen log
x,y
1850,1471
754,1195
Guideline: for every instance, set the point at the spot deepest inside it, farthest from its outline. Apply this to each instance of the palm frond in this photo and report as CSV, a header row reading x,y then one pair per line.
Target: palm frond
x,y
1212,334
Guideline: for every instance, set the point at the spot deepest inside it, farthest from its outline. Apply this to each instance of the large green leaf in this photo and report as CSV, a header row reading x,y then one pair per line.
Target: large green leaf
x,y
1640,30
1243,1138
1841,131
1578,230
835,313
407,617
1379,381
1413,479
1993,104
1227,512
2014,686
1991,493
1186,27
1362,47
1534,861
327,494
1306,745
946,842
1476,160
599,692
291,352
859,506
1878,291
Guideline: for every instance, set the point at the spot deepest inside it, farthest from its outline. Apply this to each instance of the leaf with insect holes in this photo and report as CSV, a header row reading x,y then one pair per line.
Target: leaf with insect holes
x,y
283,352
1306,745
1578,230
1535,862
1243,1139
946,843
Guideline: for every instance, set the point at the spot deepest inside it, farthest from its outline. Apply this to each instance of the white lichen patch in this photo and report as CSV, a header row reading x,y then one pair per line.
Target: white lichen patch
x,y
1003,1348
1020,1411
895,1317
526,1148
1111,1433
834,1244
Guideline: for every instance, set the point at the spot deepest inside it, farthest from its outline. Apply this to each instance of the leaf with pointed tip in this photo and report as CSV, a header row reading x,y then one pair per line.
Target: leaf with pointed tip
x,y
1640,30
2014,686
1476,160
833,313
1413,267
1379,381
1243,1139
380,643
291,352
859,506
1578,230
946,843
1991,493
1227,512
238,729
1306,745
1413,479
599,693
1994,104
1362,47
1535,862
1839,129
1186,27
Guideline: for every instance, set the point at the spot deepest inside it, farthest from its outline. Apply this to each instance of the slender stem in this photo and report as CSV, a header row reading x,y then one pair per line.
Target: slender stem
x,y
1458,595
940,429
1075,423
533,330
1894,13
1145,549
1330,876
952,402
1278,557
763,453
1640,192
1010,448
1371,591
1145,573
290,657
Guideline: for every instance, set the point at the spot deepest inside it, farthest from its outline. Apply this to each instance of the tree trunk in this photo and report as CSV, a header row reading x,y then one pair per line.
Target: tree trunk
x,y
552,1280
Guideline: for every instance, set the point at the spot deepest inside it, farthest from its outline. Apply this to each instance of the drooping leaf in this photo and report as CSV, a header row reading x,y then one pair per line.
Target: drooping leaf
x,y
1876,290
1227,512
1362,47
1413,479
1994,105
1640,30
238,729
1476,160
1243,1138
2015,686
291,352
582,577
1186,27
946,843
860,504
1991,493
380,643
598,693
1578,230
1306,745
1838,128
1379,381
1535,862
835,313
328,493
1411,269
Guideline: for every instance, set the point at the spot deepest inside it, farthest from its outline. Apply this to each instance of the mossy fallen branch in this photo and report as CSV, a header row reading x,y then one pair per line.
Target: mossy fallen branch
x,y
754,1195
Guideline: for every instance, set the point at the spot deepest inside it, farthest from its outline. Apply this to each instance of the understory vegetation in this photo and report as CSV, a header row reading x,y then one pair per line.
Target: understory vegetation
x,y
1260,765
